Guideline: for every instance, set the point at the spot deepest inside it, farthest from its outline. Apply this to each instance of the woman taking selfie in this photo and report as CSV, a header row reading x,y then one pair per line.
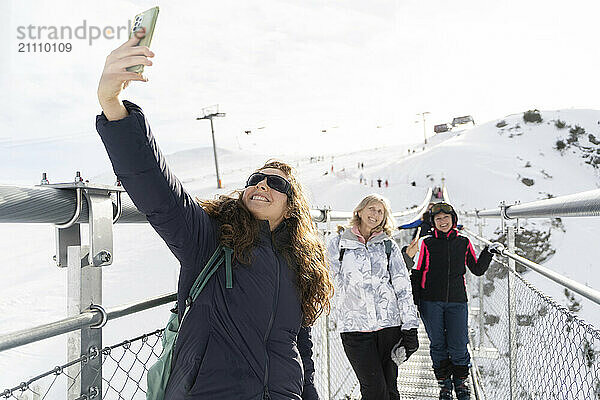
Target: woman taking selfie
x,y
250,341
374,308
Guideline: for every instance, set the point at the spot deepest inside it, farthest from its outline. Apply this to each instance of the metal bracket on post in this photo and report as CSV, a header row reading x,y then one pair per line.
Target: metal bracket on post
x,y
503,216
327,212
84,284
67,234
100,208
100,217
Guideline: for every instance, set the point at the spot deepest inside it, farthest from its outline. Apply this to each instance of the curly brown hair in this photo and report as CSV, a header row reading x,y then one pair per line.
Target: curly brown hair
x,y
305,252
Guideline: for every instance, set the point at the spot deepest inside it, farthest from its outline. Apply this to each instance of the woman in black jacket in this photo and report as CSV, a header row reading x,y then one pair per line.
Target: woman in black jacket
x,y
439,286
251,341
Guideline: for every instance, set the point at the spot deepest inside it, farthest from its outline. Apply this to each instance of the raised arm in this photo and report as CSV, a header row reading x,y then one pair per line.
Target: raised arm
x,y
417,274
140,166
478,266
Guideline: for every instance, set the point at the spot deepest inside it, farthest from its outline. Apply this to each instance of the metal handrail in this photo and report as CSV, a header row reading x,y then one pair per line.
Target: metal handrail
x,y
585,291
55,206
583,204
337,216
86,319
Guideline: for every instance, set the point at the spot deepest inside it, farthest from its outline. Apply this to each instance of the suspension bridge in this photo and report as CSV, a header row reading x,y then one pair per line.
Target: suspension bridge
x,y
524,344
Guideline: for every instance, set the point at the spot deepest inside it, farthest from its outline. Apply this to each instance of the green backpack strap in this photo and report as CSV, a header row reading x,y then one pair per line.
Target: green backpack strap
x,y
221,254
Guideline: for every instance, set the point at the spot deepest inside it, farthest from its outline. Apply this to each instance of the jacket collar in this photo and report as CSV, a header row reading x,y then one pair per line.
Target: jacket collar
x,y
279,236
349,239
452,233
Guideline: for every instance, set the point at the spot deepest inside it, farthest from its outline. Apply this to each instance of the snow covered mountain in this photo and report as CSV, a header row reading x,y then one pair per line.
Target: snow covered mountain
x,y
507,159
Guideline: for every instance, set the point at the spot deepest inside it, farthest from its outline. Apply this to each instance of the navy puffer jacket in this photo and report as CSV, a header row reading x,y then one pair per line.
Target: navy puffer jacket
x,y
241,343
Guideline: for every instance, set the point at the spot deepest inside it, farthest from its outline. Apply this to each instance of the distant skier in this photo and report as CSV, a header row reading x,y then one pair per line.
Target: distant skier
x,y
386,183
379,182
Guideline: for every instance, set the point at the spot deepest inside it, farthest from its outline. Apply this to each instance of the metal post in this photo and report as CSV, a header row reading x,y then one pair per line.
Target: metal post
x,y
422,114
210,113
480,279
84,280
512,317
212,130
84,287
328,352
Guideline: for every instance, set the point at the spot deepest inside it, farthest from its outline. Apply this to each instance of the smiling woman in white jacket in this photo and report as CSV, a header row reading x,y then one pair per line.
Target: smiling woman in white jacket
x,y
373,306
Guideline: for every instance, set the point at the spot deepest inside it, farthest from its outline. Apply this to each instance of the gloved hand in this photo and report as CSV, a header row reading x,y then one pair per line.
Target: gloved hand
x,y
496,248
410,341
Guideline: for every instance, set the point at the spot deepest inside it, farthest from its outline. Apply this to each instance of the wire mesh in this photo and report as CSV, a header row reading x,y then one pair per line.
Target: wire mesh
x,y
557,353
334,377
124,368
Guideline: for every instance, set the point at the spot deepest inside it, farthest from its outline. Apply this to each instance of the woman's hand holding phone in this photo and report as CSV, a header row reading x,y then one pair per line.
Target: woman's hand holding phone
x,y
115,77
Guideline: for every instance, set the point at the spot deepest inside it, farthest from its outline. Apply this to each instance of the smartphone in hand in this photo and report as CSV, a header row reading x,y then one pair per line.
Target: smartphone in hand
x,y
146,20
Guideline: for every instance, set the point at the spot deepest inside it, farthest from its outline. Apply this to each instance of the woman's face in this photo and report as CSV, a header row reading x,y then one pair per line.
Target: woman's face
x,y
443,222
372,215
265,203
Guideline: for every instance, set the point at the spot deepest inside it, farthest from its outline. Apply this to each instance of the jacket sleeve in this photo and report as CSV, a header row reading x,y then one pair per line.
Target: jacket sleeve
x,y
416,276
402,288
413,224
305,348
333,257
408,261
477,266
140,166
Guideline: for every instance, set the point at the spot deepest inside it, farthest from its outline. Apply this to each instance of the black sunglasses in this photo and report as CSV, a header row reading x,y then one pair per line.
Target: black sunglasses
x,y
275,182
441,207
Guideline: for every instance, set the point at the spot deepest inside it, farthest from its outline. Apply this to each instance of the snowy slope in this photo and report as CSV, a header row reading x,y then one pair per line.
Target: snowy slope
x,y
481,166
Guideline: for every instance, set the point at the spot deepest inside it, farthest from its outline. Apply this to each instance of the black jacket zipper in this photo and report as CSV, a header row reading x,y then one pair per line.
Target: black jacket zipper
x,y
448,283
266,394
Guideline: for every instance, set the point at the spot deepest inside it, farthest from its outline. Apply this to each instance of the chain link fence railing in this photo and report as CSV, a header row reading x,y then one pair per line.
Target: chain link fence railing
x,y
557,354
124,368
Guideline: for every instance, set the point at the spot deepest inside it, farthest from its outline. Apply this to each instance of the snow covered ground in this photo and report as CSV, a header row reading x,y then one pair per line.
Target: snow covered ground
x,y
481,167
